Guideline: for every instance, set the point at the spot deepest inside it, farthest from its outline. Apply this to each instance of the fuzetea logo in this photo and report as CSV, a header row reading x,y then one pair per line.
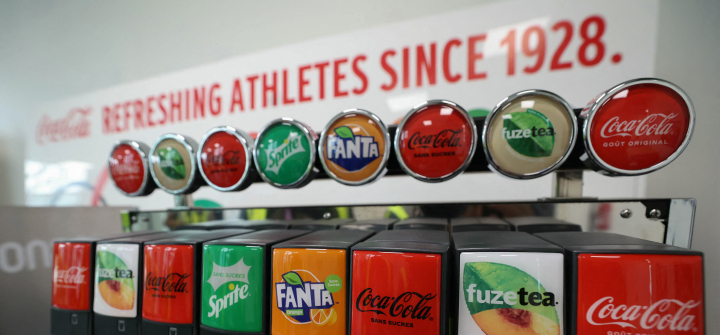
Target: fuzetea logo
x,y
296,298
501,298
171,163
221,275
529,133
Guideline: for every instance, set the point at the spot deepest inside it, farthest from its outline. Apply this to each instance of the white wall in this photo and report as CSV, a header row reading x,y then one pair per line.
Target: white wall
x,y
53,50
689,55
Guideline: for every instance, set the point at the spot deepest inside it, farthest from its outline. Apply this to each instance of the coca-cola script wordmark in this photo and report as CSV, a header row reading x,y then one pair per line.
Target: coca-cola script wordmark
x,y
75,124
169,277
639,127
396,293
71,276
643,294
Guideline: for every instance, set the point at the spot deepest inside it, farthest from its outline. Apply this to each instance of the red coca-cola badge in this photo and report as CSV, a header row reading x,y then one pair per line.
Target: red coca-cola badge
x,y
640,294
395,293
128,166
435,141
225,158
71,276
169,278
637,127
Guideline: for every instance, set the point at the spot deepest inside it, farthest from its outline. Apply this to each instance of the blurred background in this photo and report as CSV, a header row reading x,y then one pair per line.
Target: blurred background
x,y
68,61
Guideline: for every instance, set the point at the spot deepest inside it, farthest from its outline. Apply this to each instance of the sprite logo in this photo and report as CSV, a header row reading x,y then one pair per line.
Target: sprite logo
x,y
222,275
231,291
502,297
283,154
529,133
277,156
296,298
352,152
171,163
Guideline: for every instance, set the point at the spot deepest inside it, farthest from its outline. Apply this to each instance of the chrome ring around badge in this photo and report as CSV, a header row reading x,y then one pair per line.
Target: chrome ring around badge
x,y
592,159
422,107
501,107
248,145
379,171
190,146
308,173
142,150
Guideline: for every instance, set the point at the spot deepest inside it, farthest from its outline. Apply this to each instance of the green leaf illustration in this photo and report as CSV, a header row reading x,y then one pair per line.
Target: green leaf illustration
x,y
489,277
529,133
344,132
171,163
292,278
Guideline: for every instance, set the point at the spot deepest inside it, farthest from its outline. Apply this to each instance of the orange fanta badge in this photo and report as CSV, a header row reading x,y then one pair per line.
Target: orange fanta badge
x,y
309,294
354,147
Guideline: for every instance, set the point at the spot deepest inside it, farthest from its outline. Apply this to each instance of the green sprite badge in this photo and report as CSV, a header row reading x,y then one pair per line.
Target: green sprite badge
x,y
285,153
232,295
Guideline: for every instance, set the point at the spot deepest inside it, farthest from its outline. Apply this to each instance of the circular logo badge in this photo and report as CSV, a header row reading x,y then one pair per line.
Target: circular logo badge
x,y
129,169
354,147
435,141
225,158
638,126
173,163
529,134
285,153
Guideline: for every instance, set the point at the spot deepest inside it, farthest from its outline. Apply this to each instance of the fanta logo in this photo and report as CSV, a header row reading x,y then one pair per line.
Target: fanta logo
x,y
295,297
351,152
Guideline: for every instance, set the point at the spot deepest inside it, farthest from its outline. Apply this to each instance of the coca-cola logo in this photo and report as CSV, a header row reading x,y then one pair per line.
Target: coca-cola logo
x,y
74,275
173,282
655,124
75,124
656,316
447,138
638,129
406,305
226,158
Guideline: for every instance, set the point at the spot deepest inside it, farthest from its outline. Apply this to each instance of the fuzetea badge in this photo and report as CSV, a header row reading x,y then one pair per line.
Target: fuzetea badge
x,y
435,141
354,147
529,134
285,153
637,127
174,168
